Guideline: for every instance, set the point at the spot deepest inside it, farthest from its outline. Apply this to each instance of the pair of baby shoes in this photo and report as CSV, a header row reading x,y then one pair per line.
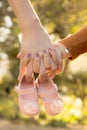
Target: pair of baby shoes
x,y
29,93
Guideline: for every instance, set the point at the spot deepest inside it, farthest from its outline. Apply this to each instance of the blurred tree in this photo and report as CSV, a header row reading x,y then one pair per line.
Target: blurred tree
x,y
9,31
62,17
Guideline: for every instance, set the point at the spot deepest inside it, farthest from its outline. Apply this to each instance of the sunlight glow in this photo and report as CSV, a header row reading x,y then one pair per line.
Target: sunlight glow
x,y
3,56
1,4
78,103
3,33
4,66
76,112
20,37
8,21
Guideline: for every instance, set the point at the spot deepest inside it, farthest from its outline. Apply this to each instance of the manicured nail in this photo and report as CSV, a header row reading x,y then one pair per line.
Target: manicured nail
x,y
50,49
37,54
44,51
57,45
29,55
53,49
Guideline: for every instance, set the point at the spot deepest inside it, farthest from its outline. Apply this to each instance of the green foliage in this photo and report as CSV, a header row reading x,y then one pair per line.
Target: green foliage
x,y
8,107
57,123
62,16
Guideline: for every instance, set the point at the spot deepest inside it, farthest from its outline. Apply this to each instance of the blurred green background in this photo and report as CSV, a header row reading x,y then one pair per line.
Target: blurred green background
x,y
60,18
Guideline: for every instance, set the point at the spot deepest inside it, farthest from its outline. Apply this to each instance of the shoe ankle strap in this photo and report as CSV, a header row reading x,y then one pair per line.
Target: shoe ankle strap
x,y
48,92
27,91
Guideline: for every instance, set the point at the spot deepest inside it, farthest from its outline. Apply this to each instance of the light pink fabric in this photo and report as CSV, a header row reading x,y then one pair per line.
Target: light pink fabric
x,y
51,99
27,97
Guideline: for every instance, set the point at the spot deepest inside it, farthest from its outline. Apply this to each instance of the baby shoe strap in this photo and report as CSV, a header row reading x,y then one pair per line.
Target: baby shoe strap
x,y
48,92
27,91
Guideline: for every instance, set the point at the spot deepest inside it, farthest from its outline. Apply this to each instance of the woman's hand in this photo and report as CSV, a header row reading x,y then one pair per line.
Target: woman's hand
x,y
37,44
37,48
35,41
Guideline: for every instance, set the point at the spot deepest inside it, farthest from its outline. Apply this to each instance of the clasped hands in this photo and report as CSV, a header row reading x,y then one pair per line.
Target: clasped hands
x,y
48,61
39,55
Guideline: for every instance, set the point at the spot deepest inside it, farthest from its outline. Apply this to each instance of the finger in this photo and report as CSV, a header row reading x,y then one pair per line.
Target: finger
x,y
42,71
21,55
53,55
42,67
23,64
60,61
47,61
21,72
25,60
53,70
36,63
29,71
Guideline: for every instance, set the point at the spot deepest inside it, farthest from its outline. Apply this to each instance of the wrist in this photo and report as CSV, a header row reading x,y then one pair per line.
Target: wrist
x,y
29,24
30,28
63,49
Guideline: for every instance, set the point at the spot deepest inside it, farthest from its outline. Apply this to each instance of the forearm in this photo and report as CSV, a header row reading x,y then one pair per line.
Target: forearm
x,y
24,12
76,43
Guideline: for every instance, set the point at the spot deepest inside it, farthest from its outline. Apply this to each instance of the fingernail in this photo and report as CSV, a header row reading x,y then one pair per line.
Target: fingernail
x,y
37,54
44,51
53,49
29,55
50,49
